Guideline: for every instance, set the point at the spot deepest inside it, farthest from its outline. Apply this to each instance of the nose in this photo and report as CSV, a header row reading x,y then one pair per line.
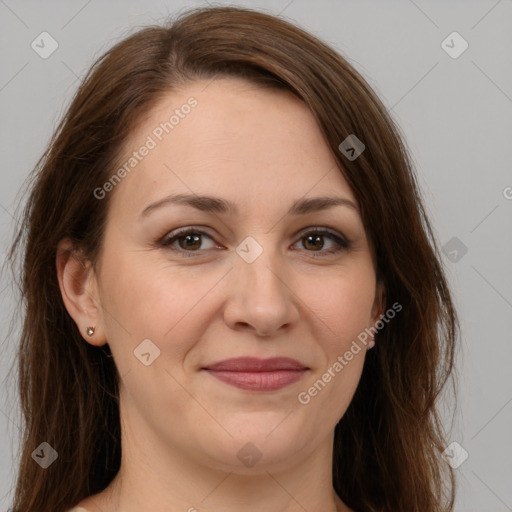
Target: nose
x,y
261,298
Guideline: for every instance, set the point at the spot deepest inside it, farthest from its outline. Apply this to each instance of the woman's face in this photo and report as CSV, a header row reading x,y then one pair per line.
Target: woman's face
x,y
254,279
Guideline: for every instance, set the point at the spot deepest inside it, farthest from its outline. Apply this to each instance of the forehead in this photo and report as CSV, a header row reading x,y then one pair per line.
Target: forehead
x,y
230,138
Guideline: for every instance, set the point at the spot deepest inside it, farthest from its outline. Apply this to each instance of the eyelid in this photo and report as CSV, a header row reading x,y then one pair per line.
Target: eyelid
x,y
323,230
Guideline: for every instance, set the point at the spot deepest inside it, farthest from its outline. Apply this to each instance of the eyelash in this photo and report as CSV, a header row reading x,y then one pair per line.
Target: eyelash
x,y
342,243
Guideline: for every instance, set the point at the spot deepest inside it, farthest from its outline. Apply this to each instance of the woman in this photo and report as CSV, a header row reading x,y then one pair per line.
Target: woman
x,y
223,226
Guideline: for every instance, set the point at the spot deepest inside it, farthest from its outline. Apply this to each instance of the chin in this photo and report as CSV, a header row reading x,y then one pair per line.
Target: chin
x,y
258,448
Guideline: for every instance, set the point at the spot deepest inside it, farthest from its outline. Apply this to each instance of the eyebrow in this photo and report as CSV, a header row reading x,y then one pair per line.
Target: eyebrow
x,y
216,205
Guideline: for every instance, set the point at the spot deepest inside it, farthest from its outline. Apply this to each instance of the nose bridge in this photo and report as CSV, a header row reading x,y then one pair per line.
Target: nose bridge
x,y
260,297
259,259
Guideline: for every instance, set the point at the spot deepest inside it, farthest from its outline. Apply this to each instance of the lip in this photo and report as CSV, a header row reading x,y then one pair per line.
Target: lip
x,y
254,374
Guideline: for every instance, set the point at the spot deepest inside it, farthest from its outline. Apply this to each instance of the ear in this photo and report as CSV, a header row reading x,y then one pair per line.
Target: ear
x,y
79,289
379,303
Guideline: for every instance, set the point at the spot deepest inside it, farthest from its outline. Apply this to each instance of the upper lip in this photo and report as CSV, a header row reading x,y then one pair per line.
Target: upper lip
x,y
254,364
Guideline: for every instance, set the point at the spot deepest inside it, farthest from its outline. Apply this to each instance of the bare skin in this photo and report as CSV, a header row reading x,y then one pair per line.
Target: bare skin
x,y
182,428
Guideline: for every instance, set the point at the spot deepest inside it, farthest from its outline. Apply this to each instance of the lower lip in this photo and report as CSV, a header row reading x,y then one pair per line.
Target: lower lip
x,y
259,381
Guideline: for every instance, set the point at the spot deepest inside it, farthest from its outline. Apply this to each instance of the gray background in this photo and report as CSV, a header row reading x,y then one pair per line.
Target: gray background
x,y
456,116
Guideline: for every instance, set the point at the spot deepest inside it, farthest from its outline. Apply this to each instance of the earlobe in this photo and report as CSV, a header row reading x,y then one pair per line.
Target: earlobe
x,y
78,286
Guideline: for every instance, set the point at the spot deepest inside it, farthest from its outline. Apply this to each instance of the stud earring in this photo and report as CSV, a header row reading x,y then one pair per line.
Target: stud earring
x,y
371,344
90,331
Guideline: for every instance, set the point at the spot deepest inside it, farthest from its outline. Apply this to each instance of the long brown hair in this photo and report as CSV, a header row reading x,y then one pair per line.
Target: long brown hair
x,y
388,445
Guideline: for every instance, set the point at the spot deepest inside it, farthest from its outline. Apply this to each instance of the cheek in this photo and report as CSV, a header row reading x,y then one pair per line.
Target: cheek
x,y
343,303
342,308
147,300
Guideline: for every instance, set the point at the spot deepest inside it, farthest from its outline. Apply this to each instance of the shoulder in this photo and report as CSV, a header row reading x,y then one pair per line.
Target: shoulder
x,y
78,509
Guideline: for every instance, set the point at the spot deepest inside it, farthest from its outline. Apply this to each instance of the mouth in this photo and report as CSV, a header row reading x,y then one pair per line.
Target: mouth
x,y
253,374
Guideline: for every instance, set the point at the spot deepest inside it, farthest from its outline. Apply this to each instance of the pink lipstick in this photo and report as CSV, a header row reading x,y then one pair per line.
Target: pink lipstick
x,y
255,374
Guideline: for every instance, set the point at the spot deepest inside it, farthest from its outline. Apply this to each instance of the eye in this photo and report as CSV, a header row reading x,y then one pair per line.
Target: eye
x,y
188,241
313,242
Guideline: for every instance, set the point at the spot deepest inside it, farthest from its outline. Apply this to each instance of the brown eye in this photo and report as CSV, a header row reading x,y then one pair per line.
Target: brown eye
x,y
186,241
313,242
192,241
